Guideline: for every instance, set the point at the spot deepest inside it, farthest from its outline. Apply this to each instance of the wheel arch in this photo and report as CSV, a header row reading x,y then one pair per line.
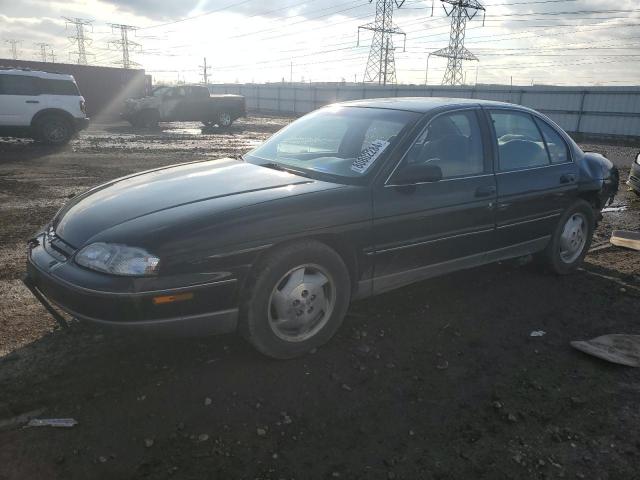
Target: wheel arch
x,y
51,111
336,242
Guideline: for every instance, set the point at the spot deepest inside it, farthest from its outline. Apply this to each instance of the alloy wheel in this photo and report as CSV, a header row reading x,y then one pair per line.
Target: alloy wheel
x,y
573,238
301,303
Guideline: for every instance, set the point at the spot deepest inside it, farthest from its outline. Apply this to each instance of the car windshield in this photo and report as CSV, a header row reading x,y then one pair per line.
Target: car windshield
x,y
339,141
158,92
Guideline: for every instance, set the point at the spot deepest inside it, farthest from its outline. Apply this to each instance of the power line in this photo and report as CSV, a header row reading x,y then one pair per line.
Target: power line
x,y
14,47
80,39
460,12
43,51
205,72
204,14
123,43
381,65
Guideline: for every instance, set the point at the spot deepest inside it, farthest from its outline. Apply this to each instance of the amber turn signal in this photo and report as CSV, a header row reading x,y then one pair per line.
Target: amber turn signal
x,y
180,297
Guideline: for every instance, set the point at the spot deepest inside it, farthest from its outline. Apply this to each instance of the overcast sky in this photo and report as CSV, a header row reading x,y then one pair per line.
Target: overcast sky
x,y
569,42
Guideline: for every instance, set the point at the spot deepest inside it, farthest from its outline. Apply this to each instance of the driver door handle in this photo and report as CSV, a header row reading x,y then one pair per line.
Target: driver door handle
x,y
487,191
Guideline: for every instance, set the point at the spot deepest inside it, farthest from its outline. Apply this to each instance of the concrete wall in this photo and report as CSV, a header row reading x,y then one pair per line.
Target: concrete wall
x,y
104,88
589,111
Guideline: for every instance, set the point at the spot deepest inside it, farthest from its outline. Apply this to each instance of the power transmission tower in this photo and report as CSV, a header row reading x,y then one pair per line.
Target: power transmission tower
x,y
52,56
43,51
124,44
460,11
14,47
205,72
80,39
381,63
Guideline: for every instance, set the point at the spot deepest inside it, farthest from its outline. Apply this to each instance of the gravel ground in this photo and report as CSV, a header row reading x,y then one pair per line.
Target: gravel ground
x,y
437,380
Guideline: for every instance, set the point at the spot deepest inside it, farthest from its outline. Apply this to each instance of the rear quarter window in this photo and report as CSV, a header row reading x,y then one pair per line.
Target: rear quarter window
x,y
557,147
59,87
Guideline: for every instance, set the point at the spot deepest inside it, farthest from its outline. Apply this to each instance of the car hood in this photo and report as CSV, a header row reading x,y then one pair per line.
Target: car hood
x,y
215,184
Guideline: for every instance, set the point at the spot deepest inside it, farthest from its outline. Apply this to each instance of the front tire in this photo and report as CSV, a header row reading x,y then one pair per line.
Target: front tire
x,y
298,300
146,119
571,239
53,129
224,119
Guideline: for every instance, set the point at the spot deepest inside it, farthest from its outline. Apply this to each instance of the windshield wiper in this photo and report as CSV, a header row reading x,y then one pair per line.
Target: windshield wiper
x,y
282,168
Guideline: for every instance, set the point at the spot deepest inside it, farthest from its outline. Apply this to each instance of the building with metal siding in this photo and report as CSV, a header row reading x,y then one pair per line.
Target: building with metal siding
x,y
606,112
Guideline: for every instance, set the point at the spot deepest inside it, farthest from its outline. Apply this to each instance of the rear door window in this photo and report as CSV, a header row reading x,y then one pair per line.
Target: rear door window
x,y
58,87
520,144
557,147
18,85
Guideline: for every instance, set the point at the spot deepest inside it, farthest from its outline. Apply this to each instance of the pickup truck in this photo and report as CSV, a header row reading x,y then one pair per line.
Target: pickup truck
x,y
184,103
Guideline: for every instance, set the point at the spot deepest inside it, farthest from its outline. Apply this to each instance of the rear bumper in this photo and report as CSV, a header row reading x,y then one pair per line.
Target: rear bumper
x,y
634,177
210,310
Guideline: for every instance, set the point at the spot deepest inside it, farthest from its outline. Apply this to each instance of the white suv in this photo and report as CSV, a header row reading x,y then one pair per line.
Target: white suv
x,y
45,106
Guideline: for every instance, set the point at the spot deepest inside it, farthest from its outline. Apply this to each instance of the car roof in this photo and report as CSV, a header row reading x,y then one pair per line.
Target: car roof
x,y
424,104
36,73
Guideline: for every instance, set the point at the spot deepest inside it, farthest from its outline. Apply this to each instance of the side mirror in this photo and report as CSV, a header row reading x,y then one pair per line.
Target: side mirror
x,y
638,158
410,174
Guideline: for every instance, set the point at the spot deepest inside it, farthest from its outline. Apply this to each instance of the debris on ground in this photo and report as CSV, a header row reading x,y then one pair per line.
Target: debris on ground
x,y
626,239
538,333
615,348
52,422
19,419
614,208
413,419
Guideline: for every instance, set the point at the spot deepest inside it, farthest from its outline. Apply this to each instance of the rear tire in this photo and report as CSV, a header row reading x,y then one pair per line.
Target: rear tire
x,y
571,239
53,129
297,300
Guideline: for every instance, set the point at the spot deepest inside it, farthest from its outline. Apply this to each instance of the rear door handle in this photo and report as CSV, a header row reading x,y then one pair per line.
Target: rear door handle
x,y
31,101
487,191
567,178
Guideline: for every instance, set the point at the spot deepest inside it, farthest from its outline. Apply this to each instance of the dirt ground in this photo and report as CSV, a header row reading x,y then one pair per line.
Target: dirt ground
x,y
440,380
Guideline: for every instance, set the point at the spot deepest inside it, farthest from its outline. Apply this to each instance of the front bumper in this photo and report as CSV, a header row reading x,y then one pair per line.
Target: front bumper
x,y
634,177
209,312
81,123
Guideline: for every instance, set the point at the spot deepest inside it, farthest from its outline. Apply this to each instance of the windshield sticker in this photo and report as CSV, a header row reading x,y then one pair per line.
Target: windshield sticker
x,y
368,156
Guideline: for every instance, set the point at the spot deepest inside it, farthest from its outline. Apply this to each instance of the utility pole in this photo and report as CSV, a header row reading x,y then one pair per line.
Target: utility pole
x,y
80,39
123,43
52,56
381,63
43,51
14,47
460,11
205,72
291,71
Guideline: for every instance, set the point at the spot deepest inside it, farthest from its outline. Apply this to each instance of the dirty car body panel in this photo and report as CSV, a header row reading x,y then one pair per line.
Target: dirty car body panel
x,y
210,223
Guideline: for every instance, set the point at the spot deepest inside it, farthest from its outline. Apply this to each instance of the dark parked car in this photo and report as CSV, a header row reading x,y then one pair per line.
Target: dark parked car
x,y
184,103
634,175
349,201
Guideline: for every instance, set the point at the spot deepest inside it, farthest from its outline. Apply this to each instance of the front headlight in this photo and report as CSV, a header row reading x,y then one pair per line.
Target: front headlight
x,y
118,259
